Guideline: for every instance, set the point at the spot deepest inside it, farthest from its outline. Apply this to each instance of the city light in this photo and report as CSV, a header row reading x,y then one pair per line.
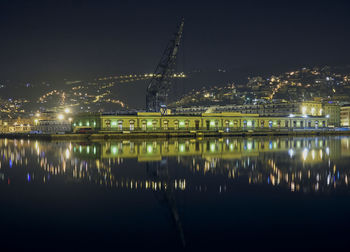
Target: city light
x,y
60,117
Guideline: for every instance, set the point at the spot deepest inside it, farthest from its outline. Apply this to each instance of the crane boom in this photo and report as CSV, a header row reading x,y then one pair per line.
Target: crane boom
x,y
159,85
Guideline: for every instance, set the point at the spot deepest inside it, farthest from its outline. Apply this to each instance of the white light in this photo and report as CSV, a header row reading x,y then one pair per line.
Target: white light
x,y
303,109
327,116
291,153
291,115
305,153
67,110
60,117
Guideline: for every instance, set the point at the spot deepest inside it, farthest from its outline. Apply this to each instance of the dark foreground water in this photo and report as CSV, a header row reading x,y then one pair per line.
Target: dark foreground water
x,y
239,194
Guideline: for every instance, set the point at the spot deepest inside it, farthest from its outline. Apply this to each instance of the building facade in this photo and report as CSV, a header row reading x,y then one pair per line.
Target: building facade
x,y
332,111
345,116
281,109
53,126
226,121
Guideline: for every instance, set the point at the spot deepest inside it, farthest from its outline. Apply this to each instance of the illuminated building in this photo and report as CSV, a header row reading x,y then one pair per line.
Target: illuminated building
x,y
332,111
53,126
345,116
224,121
312,108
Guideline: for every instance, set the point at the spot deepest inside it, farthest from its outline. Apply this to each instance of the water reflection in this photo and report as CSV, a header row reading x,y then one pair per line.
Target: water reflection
x,y
298,164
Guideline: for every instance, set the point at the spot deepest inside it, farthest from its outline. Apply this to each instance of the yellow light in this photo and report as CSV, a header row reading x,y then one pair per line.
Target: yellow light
x,y
37,114
70,119
67,110
312,111
60,117
303,109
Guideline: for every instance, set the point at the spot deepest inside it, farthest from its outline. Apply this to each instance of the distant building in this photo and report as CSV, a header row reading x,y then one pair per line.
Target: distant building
x,y
306,108
345,116
332,111
311,108
53,126
15,126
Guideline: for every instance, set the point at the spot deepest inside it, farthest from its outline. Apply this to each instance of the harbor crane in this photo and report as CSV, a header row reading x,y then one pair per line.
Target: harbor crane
x,y
159,86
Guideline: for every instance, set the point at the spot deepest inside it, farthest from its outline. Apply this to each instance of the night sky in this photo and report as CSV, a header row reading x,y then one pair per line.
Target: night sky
x,y
51,40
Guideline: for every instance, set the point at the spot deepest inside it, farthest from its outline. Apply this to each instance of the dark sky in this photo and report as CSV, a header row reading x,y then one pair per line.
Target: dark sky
x,y
80,39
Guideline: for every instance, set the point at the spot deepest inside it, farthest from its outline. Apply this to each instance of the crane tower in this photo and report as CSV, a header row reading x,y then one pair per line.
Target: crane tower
x,y
159,85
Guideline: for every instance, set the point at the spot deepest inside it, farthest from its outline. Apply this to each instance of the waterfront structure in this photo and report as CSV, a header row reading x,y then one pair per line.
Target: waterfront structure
x,y
223,121
345,115
18,125
53,126
269,109
280,109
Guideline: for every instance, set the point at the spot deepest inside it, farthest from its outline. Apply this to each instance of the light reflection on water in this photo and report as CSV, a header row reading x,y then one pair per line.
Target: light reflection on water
x,y
317,164
170,194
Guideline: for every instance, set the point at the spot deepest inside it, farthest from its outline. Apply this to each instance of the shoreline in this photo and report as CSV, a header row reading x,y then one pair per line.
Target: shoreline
x,y
167,135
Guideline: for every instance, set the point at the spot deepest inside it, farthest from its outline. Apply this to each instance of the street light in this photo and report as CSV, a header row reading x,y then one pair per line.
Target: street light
x,y
67,110
60,117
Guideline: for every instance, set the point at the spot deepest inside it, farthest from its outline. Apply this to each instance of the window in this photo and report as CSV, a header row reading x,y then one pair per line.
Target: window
x,y
262,123
176,124
108,123
144,125
270,124
132,125
120,125
166,124
197,124
154,124
216,124
187,123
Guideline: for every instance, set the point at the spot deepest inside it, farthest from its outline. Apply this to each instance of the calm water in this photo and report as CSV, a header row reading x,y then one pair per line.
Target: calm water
x,y
233,193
